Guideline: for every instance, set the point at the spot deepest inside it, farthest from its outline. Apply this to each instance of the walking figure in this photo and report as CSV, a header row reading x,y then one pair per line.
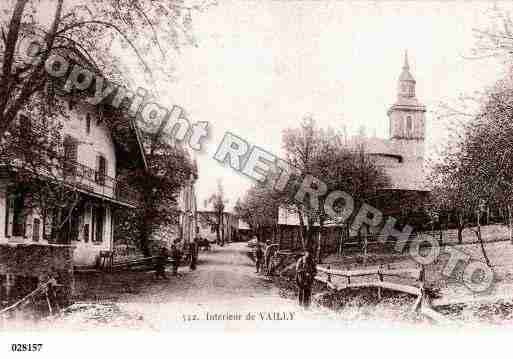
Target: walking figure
x,y
259,257
176,256
305,274
193,249
267,257
160,267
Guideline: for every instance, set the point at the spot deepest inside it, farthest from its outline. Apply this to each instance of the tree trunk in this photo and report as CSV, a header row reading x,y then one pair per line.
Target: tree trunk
x,y
310,236
480,239
8,56
302,230
460,229
319,241
221,222
510,224
365,236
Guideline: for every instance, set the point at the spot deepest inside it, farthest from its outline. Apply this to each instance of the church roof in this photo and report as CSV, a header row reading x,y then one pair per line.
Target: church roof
x,y
393,157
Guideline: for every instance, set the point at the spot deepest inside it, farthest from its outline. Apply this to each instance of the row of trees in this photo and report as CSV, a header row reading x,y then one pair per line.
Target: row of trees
x,y
475,170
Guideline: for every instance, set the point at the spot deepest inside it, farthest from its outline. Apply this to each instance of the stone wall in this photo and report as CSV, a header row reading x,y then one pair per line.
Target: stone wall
x,y
21,264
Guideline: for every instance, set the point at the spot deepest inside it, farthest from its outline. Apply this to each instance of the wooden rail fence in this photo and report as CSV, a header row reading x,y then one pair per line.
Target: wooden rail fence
x,y
422,304
42,289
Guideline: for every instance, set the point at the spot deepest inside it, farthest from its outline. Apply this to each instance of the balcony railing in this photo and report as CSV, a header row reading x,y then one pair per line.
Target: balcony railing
x,y
75,174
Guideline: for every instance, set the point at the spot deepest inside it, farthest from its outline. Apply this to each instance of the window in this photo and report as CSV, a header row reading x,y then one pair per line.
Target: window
x,y
47,224
15,214
72,226
101,172
70,156
35,230
409,126
86,232
98,223
88,123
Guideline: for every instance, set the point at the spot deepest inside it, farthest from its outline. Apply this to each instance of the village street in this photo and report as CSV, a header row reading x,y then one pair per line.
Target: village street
x,y
224,292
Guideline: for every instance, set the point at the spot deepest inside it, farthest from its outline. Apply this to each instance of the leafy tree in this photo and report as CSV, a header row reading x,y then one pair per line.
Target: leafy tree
x,y
259,209
83,31
218,202
323,159
86,33
169,167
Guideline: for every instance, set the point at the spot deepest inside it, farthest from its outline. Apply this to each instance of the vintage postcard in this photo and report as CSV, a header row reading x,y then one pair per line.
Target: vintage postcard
x,y
176,165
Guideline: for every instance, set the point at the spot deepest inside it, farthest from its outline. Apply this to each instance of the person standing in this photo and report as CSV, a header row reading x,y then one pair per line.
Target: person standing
x,y
193,248
267,257
176,256
259,257
160,267
305,274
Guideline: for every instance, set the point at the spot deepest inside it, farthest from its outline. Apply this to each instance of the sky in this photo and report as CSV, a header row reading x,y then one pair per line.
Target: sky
x,y
262,66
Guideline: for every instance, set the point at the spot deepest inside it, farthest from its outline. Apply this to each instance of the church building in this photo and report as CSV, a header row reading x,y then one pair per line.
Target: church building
x,y
401,155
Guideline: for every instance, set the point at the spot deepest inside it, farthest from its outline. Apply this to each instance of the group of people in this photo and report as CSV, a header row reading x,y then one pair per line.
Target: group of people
x,y
263,258
305,270
176,255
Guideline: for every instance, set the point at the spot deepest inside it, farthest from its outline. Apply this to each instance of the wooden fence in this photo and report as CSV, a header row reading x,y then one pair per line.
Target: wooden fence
x,y
47,289
422,303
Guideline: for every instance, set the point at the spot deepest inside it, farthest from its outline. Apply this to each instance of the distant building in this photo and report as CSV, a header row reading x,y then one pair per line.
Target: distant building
x,y
207,225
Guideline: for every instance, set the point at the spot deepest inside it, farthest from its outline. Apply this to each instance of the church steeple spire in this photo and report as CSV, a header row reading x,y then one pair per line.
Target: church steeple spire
x,y
406,65
406,86
406,114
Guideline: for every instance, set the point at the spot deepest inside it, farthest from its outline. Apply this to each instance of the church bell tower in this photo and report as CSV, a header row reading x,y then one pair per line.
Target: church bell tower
x,y
407,114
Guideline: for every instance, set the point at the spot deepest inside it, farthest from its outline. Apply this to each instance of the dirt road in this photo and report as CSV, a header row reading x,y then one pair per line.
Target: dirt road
x,y
222,293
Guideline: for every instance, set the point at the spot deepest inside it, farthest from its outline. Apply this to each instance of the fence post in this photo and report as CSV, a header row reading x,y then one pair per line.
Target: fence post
x,y
380,276
329,273
422,274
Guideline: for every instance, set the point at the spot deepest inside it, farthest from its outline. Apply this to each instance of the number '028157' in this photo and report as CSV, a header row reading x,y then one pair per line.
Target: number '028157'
x,y
26,347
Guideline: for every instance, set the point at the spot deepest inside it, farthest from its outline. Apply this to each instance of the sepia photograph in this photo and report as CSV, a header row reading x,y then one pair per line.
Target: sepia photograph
x,y
220,166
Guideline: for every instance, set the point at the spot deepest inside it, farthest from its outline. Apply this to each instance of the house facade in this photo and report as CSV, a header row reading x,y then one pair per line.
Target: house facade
x,y
93,157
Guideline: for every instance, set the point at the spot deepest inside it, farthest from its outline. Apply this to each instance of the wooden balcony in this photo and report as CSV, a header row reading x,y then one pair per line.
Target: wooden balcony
x,y
84,178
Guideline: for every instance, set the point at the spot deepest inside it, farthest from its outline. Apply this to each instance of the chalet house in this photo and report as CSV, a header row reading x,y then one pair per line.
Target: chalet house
x,y
94,156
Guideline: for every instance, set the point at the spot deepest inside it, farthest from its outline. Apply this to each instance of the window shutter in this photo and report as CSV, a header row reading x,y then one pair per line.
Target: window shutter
x,y
101,165
70,155
86,232
47,225
9,214
35,230
88,123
